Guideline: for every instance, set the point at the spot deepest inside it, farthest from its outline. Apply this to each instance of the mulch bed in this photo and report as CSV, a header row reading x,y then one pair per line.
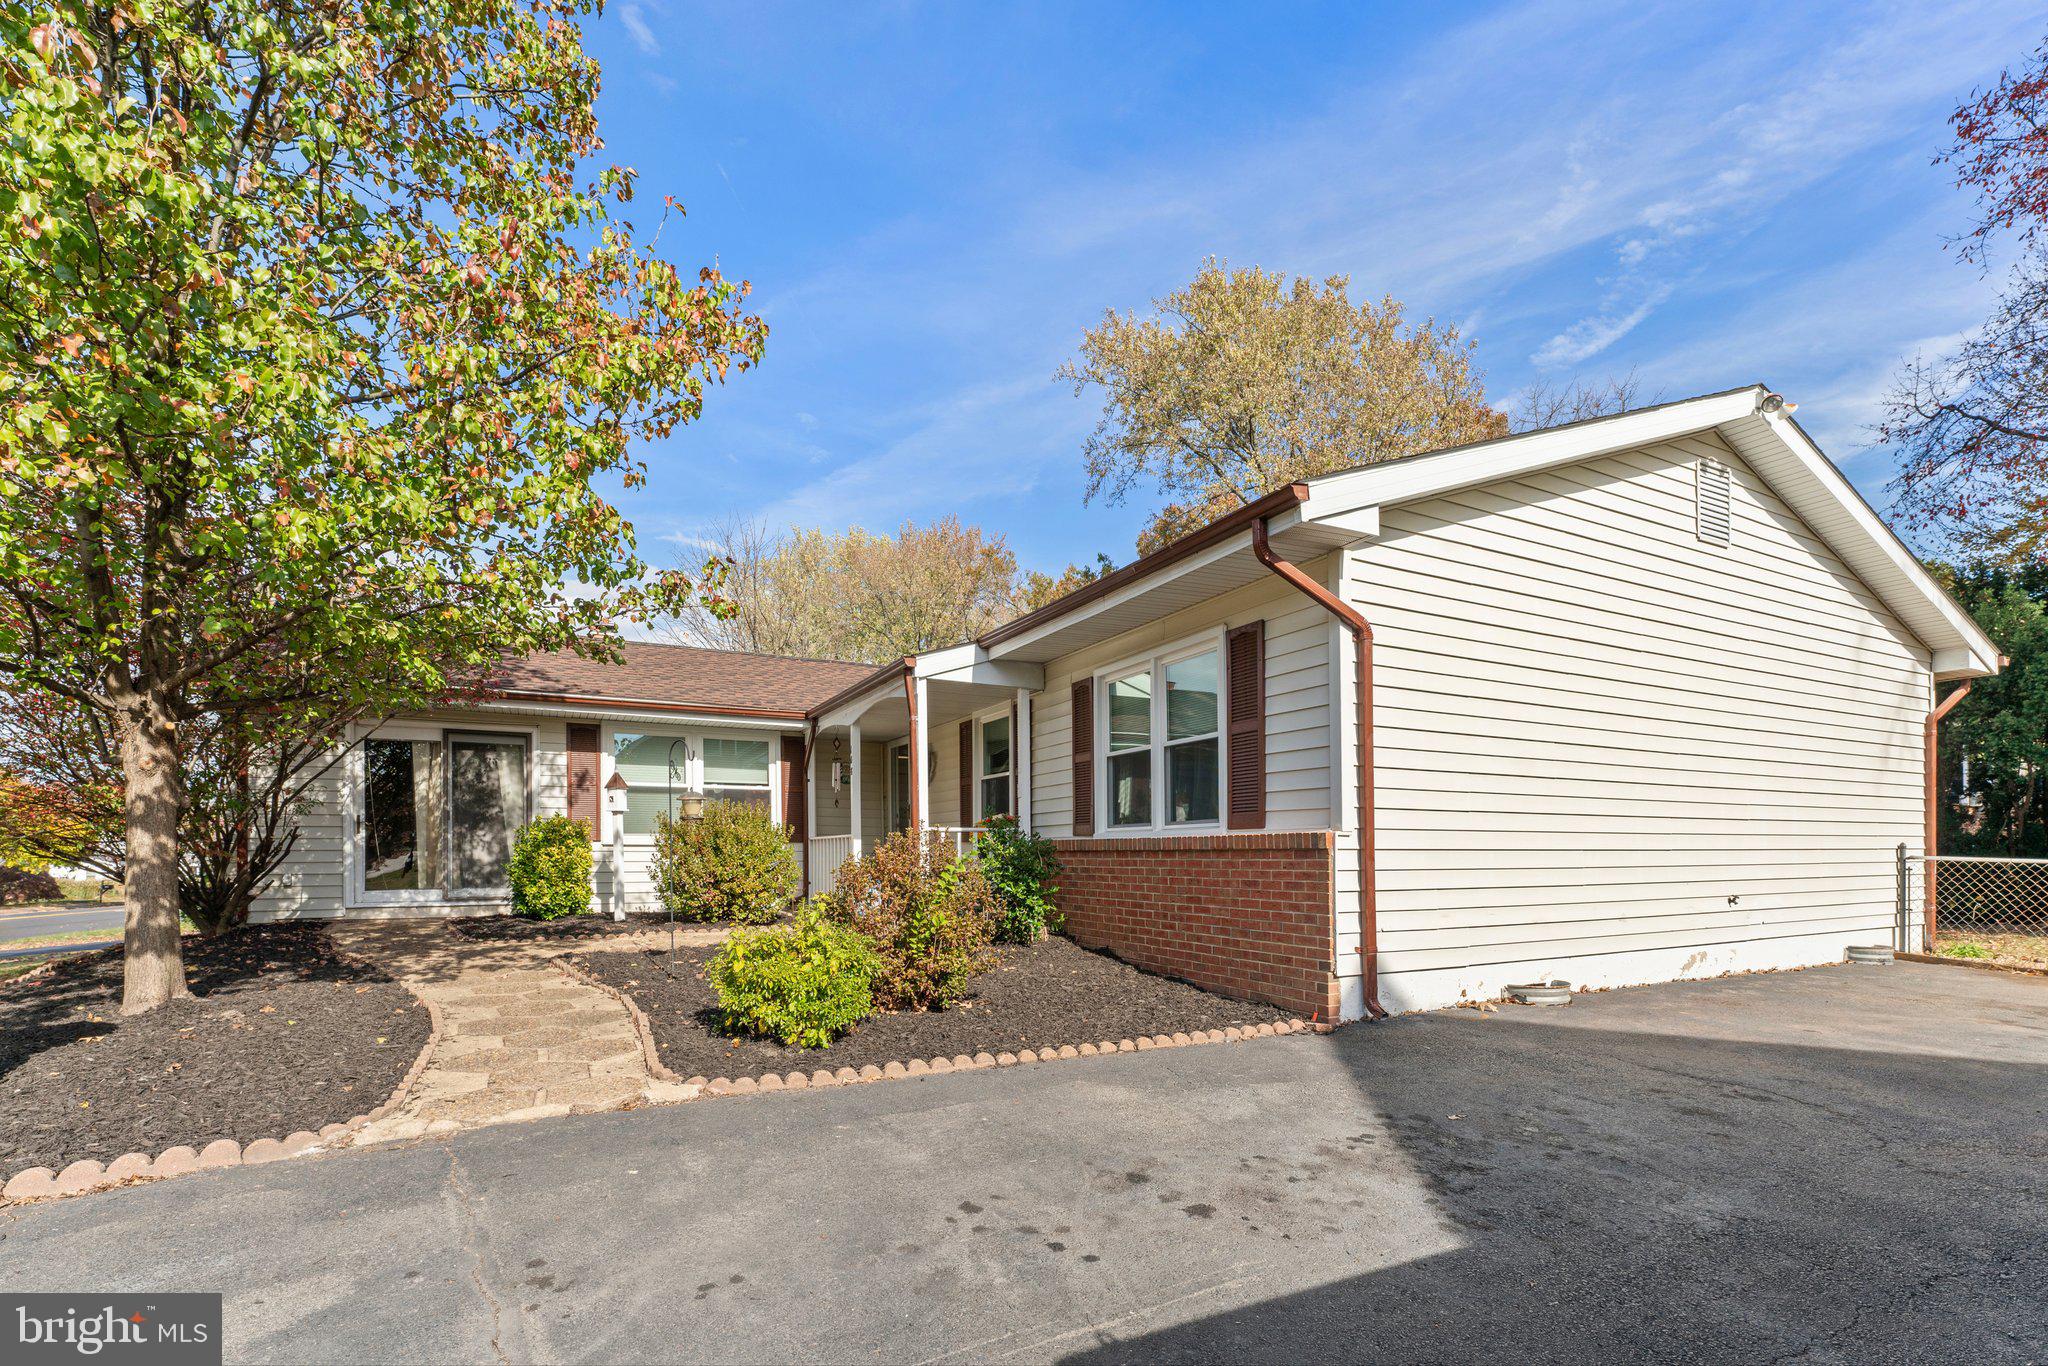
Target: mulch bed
x,y
282,1035
518,927
1038,995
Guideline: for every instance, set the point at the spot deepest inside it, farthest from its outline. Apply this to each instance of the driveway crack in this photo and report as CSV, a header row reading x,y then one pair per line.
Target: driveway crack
x,y
463,1202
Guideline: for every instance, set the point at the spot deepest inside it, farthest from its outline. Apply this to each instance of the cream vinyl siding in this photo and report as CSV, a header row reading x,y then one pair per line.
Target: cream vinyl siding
x,y
1298,638
314,880
1611,752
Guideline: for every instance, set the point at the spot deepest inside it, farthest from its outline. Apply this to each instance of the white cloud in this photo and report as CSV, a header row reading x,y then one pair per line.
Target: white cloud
x,y
1588,337
635,20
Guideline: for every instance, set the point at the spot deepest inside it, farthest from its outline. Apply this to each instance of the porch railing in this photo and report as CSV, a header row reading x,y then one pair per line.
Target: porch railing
x,y
827,853
955,837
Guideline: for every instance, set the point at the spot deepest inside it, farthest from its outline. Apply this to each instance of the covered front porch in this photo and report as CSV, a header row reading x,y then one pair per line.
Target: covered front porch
x,y
969,721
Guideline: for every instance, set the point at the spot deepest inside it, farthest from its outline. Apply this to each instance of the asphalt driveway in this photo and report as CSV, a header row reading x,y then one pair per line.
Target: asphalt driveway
x,y
1846,1164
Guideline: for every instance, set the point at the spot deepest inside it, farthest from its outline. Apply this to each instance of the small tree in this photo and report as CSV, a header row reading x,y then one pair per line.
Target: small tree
x,y
320,350
1244,381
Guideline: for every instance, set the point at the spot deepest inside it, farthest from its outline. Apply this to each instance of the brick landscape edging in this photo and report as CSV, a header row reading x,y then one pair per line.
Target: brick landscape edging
x,y
920,1067
40,1183
916,1067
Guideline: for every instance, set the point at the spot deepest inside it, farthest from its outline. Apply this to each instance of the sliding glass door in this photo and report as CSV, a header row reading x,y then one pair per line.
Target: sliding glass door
x,y
435,818
486,807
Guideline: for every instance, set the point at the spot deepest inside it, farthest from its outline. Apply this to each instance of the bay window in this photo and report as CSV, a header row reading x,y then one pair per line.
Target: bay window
x,y
1163,733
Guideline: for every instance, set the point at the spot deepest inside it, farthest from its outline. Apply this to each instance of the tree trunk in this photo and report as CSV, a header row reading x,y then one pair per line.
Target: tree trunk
x,y
153,968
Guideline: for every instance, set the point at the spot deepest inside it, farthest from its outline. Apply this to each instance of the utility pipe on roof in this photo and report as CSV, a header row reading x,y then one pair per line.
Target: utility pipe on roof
x,y
1361,635
1933,794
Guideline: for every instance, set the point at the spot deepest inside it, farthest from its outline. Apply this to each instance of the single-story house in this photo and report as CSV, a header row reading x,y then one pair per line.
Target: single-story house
x,y
1642,697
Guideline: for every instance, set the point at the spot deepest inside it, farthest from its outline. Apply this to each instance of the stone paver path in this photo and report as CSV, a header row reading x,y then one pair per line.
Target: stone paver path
x,y
521,1039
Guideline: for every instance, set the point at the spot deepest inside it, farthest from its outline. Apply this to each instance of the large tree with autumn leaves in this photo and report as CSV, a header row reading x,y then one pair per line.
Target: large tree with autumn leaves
x,y
321,345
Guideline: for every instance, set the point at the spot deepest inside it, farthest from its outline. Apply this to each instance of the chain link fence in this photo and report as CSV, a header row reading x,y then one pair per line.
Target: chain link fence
x,y
1988,908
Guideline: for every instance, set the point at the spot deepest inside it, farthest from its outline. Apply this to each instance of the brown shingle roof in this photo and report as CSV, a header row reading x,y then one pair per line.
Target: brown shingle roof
x,y
681,676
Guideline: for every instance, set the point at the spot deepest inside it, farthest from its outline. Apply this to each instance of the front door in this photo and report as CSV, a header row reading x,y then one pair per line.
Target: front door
x,y
899,788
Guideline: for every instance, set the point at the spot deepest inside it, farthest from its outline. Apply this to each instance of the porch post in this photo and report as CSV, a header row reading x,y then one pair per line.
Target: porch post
x,y
1020,760
854,731
920,756
810,781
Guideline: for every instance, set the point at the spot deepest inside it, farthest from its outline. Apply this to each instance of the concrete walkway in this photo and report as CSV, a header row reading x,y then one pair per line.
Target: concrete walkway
x,y
521,1038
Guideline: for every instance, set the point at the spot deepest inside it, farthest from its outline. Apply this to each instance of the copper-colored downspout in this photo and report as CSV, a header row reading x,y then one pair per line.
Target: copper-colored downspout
x,y
917,768
1933,835
804,778
1361,636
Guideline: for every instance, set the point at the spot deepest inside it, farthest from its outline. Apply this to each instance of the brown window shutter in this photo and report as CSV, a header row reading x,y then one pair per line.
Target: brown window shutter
x,y
793,803
583,805
967,772
1016,763
1082,726
1244,688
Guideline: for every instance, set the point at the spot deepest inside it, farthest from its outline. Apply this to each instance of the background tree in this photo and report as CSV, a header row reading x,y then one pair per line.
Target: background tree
x,y
315,345
1038,588
853,595
2001,728
1552,405
1971,427
1244,380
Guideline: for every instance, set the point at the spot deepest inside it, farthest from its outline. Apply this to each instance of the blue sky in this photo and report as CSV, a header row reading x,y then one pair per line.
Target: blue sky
x,y
934,201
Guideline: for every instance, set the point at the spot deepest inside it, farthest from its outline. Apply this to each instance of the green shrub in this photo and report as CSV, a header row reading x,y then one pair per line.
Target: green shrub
x,y
734,864
1020,867
930,916
1963,951
803,984
550,869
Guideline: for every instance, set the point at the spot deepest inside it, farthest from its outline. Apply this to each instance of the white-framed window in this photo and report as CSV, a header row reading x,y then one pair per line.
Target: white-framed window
x,y
662,764
1161,742
996,767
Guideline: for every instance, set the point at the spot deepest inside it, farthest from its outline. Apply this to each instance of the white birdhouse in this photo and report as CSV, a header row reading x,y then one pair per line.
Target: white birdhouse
x,y
615,795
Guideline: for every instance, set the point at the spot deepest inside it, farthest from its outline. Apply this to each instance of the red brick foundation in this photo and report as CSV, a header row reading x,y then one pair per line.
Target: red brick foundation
x,y
1251,916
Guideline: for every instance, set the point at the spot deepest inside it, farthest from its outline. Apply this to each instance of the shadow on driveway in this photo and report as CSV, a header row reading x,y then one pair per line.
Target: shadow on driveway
x,y
1844,1164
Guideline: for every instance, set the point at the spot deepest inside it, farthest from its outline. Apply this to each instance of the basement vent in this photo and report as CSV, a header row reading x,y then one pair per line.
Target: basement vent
x,y
1712,490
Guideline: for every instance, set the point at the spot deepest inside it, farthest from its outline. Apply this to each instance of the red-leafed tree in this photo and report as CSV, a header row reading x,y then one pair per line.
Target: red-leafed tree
x,y
1972,426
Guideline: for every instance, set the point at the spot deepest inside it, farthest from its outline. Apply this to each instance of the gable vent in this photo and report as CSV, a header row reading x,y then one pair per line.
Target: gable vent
x,y
1712,491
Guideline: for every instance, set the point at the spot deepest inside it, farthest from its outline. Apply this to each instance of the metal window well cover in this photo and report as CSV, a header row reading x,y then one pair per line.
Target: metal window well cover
x,y
1557,993
1870,953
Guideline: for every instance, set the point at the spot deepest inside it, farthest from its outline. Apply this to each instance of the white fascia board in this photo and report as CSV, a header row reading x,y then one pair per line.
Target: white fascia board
x,y
970,663
1427,476
1969,636
1222,550
1337,508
